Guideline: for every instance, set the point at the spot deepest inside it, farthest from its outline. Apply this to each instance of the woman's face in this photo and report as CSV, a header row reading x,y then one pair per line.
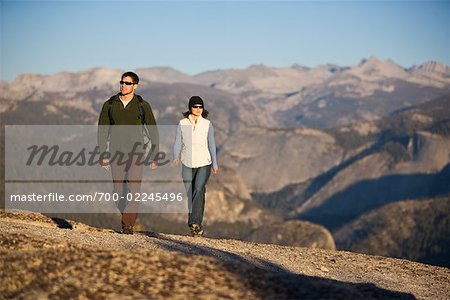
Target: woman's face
x,y
197,110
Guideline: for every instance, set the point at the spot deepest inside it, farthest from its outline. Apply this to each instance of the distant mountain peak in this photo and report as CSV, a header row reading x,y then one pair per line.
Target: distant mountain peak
x,y
431,67
158,68
163,74
374,68
336,68
300,67
261,69
372,60
258,66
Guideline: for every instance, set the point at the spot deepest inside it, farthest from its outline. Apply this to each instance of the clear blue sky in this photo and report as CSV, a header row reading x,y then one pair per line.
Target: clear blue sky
x,y
52,36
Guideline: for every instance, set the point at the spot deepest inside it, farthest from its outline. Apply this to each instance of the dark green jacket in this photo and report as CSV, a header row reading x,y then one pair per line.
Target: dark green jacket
x,y
123,138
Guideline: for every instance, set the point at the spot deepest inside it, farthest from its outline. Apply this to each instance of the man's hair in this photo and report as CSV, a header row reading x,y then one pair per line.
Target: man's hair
x,y
132,75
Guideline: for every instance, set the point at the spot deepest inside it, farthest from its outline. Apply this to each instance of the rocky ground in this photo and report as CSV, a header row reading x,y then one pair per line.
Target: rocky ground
x,y
45,258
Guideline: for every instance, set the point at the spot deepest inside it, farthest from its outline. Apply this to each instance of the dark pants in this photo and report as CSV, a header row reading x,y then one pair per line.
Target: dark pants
x,y
131,174
195,180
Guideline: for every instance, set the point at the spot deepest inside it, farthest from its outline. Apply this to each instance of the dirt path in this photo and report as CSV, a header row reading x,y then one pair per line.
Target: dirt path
x,y
40,259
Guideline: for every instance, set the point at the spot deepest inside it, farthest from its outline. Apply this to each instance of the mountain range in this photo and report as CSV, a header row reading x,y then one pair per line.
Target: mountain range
x,y
327,145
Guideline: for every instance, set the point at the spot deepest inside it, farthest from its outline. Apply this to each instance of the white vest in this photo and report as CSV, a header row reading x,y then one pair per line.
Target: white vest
x,y
194,143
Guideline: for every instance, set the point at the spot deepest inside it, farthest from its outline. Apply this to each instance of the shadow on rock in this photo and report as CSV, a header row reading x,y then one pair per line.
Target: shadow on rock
x,y
62,223
270,281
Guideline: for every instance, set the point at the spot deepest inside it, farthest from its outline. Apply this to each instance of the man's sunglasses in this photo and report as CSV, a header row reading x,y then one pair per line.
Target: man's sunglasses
x,y
126,82
197,106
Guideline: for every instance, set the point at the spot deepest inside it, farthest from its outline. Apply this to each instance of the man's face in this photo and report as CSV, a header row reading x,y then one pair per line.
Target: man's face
x,y
125,87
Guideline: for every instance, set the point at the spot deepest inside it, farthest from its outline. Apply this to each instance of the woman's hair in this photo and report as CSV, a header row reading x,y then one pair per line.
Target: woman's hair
x,y
205,113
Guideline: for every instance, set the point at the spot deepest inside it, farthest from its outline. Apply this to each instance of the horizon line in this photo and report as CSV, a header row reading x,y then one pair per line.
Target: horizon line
x,y
362,60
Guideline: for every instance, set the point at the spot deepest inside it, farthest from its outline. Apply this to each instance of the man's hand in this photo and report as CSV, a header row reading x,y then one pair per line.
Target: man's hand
x,y
215,170
153,165
105,164
175,162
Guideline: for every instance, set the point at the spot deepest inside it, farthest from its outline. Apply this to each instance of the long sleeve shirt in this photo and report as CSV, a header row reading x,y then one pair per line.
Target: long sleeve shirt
x,y
123,138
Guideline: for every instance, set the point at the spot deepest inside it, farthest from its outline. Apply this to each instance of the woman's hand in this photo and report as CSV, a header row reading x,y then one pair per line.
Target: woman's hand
x,y
175,162
215,170
105,164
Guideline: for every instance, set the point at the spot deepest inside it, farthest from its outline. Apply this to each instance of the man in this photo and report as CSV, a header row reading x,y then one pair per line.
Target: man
x,y
126,150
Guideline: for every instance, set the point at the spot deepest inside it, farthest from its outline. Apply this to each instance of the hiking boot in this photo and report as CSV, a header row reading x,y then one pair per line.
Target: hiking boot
x,y
196,230
127,230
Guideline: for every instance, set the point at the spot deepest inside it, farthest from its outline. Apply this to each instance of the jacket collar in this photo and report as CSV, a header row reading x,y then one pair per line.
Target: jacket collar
x,y
118,99
200,119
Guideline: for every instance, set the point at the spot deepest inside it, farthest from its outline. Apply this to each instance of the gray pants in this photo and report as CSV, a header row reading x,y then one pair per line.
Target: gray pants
x,y
195,180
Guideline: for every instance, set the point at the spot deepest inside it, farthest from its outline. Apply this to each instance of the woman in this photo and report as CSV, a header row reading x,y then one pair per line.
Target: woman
x,y
196,148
